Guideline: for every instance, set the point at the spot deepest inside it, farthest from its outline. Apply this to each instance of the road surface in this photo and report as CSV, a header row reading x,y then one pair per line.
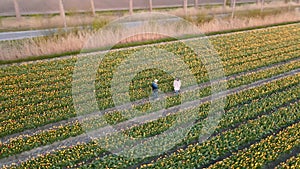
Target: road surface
x,y
24,34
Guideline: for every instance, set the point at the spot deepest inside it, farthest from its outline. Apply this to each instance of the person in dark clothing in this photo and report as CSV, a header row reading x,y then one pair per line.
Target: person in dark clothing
x,y
154,86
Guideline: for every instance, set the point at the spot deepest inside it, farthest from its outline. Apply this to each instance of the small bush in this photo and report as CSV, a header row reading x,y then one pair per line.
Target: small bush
x,y
99,23
203,18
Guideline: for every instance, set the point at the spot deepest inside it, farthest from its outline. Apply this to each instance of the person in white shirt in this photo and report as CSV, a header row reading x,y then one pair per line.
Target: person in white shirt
x,y
177,85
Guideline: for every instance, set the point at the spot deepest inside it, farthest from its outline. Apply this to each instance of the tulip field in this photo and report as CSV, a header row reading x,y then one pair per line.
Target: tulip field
x,y
40,127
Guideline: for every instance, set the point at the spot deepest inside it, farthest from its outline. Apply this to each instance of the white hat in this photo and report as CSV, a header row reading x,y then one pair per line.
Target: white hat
x,y
155,80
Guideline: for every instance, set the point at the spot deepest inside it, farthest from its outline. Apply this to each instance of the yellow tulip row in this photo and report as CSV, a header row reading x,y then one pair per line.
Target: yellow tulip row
x,y
199,155
49,106
267,150
292,163
41,74
77,153
27,142
19,99
22,143
106,161
54,100
36,162
29,90
257,107
129,114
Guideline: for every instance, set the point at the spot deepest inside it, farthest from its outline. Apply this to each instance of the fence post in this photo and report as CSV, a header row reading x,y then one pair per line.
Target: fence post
x,y
262,5
196,4
233,8
185,7
150,5
17,9
62,12
224,3
93,7
130,7
290,1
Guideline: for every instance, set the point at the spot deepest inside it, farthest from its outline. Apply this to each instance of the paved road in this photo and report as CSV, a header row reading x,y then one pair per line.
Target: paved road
x,y
24,34
52,6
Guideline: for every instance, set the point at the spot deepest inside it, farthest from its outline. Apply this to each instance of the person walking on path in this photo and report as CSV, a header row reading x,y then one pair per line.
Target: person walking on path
x,y
177,85
154,86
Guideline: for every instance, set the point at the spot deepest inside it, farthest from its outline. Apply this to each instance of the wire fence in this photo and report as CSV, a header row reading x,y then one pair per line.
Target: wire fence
x,y
29,7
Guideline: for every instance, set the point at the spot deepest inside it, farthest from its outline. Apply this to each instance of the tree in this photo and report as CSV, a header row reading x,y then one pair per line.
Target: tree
x,y
196,4
17,9
62,12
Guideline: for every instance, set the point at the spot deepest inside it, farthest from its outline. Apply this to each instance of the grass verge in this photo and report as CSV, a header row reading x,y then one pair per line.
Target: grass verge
x,y
133,44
